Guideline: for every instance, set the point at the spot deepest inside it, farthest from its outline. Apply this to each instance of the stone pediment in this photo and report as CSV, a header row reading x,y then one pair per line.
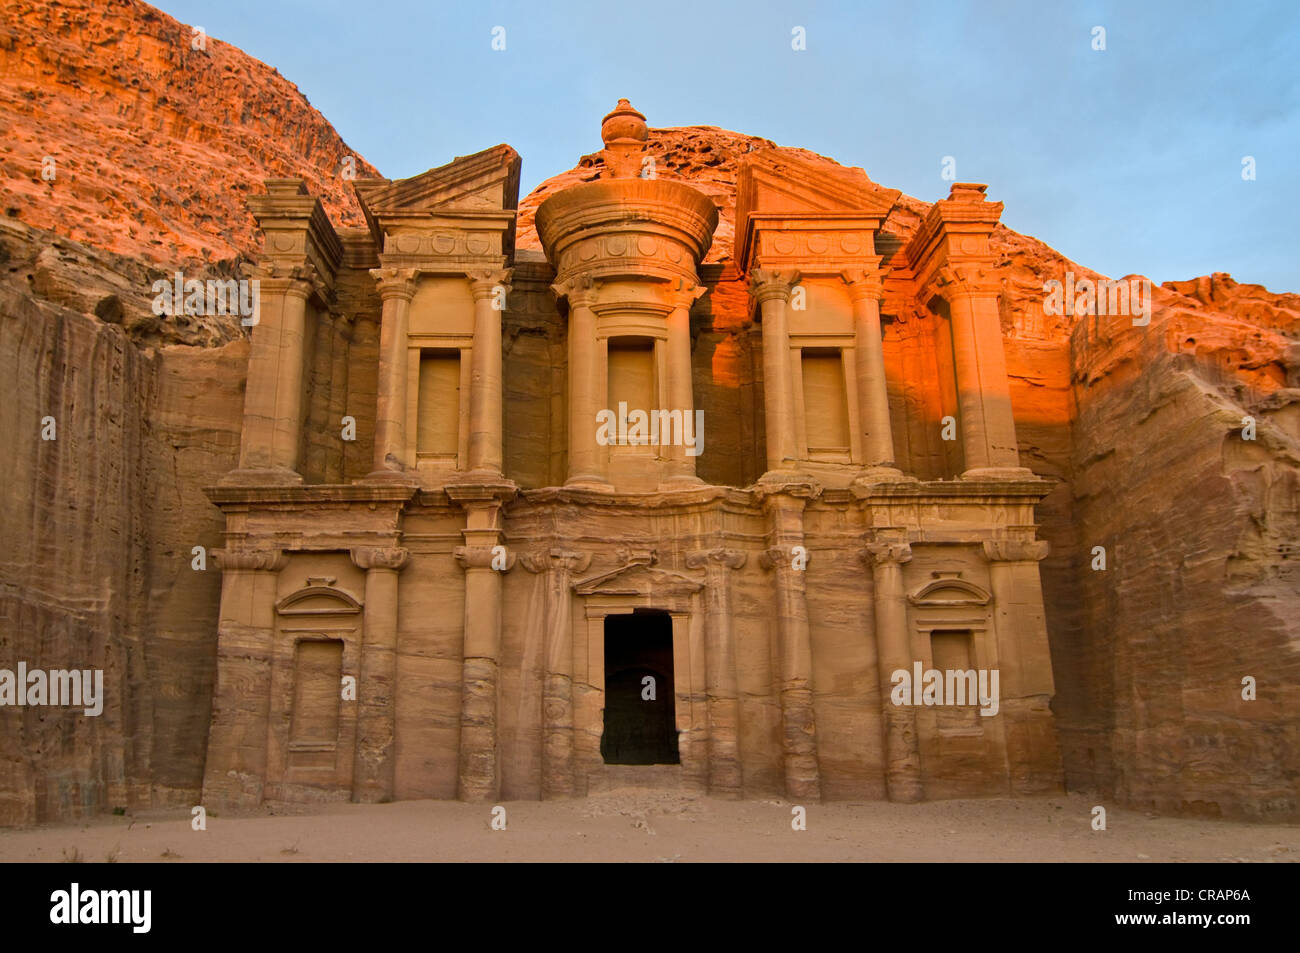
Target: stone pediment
x,y
824,210
483,185
638,580
774,182
949,593
318,600
487,180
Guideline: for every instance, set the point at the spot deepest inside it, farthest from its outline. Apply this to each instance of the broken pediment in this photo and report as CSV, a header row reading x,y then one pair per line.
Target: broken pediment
x,y
773,181
813,211
471,188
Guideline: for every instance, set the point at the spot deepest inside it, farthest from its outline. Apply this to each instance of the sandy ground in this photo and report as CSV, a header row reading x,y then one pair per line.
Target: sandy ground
x,y
649,826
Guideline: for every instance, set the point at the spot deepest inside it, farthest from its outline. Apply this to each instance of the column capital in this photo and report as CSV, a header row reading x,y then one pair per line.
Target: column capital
x,y
560,560
970,279
782,556
579,291
300,280
683,293
380,557
720,557
484,282
482,557
250,560
768,283
866,283
394,282
1015,550
888,553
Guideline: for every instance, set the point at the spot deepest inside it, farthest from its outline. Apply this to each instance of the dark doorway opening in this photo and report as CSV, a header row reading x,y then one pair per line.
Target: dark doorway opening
x,y
640,709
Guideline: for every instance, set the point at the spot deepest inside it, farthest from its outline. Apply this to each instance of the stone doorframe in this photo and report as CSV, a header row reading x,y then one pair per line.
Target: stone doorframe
x,y
640,586
950,603
317,612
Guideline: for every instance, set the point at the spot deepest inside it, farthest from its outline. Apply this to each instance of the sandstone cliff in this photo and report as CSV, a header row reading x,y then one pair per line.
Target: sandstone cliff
x,y
156,145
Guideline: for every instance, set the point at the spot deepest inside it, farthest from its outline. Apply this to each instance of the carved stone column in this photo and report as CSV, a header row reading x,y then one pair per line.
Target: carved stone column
x,y
894,652
586,467
235,770
374,762
557,686
865,288
273,411
721,681
785,516
988,430
396,288
479,771
340,360
488,288
681,394
771,290
1026,684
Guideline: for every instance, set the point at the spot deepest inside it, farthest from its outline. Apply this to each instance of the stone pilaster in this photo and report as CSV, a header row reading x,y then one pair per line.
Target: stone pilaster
x,y
374,762
1026,684
771,292
340,361
865,288
235,771
785,517
586,462
681,394
484,564
488,288
558,763
721,680
893,652
988,430
396,288
273,411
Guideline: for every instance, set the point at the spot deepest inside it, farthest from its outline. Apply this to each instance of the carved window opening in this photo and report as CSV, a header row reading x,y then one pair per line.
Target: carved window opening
x,y
631,384
640,695
438,429
317,697
826,405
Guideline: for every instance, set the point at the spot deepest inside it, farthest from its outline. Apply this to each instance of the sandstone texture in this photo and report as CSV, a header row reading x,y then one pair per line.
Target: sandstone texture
x,y
1135,431
157,145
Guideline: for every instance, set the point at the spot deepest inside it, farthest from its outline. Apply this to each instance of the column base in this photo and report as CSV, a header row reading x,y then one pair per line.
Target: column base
x,y
783,475
481,475
385,475
882,473
593,483
683,481
263,476
999,473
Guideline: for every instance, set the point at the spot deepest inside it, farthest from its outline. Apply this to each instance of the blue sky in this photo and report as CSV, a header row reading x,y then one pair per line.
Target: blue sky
x,y
1127,160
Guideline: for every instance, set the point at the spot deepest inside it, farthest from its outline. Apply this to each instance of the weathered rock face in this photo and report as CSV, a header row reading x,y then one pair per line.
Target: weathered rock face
x,y
156,145
1139,427
99,525
1199,527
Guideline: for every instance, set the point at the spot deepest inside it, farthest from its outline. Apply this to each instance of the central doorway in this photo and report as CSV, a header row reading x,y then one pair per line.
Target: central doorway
x,y
640,706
